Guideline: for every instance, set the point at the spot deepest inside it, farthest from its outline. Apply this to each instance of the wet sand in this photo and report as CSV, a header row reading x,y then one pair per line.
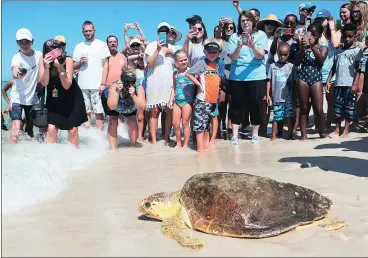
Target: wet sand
x,y
97,214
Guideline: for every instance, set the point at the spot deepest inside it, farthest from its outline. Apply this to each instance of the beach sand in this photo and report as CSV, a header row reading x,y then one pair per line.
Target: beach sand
x,y
97,214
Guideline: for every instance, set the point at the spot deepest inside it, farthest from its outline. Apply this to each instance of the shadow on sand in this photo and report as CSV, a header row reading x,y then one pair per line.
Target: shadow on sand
x,y
345,165
359,145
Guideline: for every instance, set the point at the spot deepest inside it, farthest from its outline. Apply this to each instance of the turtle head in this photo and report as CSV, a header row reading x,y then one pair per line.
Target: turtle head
x,y
160,205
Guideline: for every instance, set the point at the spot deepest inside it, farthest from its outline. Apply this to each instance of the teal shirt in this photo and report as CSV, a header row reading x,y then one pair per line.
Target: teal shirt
x,y
248,67
327,65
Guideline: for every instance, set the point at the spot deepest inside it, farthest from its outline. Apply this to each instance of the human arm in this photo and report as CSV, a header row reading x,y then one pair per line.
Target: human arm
x,y
335,35
105,72
139,98
355,86
79,61
65,74
172,93
114,92
192,74
234,48
152,52
268,87
237,7
330,76
44,70
4,90
15,67
320,54
258,47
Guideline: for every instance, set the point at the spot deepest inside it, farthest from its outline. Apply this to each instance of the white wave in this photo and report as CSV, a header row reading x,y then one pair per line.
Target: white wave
x,y
34,172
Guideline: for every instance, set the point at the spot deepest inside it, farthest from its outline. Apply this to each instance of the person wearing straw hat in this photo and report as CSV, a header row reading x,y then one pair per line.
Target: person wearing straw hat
x,y
174,37
268,25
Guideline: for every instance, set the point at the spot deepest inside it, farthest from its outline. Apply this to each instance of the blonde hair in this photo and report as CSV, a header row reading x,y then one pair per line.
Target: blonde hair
x,y
179,52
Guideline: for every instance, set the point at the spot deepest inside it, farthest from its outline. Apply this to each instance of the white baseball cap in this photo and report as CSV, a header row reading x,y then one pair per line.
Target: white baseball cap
x,y
23,33
163,24
135,41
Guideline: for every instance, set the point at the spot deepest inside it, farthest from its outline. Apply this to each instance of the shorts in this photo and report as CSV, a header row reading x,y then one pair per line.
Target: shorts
x,y
202,113
215,113
92,101
19,111
344,103
110,112
282,111
362,106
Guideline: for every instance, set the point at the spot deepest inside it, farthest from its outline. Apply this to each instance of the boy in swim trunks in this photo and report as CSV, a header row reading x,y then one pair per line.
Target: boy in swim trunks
x,y
346,64
208,90
281,79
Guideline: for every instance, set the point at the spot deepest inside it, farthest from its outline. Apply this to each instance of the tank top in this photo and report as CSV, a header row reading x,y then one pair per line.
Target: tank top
x,y
126,104
116,63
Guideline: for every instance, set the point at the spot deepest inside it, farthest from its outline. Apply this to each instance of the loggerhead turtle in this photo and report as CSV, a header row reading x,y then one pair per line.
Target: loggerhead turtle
x,y
235,205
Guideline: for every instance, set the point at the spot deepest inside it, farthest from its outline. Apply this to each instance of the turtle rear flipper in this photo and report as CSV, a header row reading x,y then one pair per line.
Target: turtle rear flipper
x,y
175,228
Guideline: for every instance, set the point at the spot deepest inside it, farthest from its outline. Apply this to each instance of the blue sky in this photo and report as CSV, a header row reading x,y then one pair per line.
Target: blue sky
x,y
48,19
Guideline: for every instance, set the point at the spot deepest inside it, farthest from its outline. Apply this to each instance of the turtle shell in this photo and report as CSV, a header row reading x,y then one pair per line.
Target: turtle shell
x,y
242,205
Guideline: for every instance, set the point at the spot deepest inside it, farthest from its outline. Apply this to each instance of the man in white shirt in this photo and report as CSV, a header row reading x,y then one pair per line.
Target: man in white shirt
x,y
23,96
90,57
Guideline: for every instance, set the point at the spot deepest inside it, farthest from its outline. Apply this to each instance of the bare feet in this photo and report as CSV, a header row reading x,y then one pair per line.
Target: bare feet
x,y
334,134
212,142
273,139
185,146
303,138
87,124
202,150
178,146
344,135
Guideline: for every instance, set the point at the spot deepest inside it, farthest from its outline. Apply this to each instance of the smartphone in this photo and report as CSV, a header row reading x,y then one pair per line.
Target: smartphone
x,y
55,53
283,31
22,71
338,24
245,37
162,38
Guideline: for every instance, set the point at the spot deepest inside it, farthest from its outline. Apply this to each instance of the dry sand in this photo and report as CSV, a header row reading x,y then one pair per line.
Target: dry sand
x,y
97,215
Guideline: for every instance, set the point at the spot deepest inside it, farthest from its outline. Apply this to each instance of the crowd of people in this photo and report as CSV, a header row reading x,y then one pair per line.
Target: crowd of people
x,y
250,69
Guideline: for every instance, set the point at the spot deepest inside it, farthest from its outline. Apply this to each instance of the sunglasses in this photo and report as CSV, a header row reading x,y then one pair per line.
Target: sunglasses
x,y
290,23
213,52
270,23
24,42
55,42
164,30
229,28
135,45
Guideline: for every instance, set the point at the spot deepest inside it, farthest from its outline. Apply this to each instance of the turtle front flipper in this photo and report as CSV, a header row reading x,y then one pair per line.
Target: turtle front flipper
x,y
175,228
332,224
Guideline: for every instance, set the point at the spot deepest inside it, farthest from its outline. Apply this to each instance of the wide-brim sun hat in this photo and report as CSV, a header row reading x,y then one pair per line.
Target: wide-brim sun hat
x,y
178,33
270,17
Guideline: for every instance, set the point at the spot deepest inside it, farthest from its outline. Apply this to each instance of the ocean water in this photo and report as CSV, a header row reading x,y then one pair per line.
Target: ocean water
x,y
33,172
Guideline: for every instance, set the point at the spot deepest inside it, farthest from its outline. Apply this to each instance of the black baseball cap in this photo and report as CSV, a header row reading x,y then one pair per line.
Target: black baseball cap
x,y
194,18
212,46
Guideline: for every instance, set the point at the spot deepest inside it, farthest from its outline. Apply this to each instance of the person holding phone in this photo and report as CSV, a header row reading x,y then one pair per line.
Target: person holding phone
x,y
247,49
193,43
309,84
64,102
306,11
122,99
23,96
159,56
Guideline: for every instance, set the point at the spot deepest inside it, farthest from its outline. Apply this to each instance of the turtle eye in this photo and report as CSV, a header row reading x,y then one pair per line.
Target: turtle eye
x,y
146,205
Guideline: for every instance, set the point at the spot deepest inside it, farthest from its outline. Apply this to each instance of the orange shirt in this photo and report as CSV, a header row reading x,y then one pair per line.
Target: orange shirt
x,y
116,63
